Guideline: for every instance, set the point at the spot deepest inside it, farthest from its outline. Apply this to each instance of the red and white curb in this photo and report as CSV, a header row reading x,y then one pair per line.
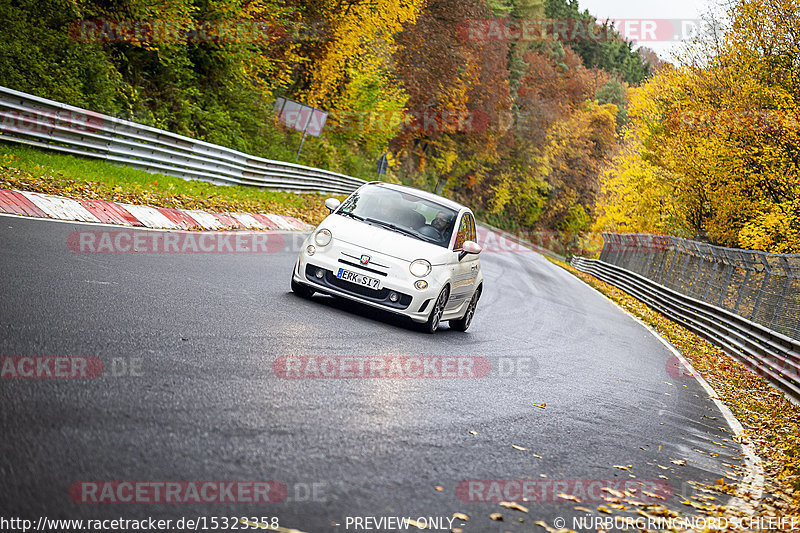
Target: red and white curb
x,y
34,204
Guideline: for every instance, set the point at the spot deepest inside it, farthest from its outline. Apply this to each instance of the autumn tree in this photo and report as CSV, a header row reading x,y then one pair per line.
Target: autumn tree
x,y
724,127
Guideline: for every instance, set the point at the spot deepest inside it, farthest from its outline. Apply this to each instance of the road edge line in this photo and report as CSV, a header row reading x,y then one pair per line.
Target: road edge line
x,y
755,477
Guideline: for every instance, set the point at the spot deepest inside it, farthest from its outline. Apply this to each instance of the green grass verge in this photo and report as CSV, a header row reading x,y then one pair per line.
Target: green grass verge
x,y
30,169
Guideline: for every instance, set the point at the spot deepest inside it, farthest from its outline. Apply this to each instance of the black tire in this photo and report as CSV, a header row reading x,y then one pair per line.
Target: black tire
x,y
435,318
302,290
463,323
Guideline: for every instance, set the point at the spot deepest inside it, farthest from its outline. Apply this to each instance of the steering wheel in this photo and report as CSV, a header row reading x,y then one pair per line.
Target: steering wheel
x,y
430,232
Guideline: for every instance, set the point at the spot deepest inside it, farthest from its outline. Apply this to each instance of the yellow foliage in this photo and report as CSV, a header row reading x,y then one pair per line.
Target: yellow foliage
x,y
364,33
776,230
723,132
636,196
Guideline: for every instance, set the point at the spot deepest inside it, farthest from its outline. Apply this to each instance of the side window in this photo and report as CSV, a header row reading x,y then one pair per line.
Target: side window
x,y
464,228
473,236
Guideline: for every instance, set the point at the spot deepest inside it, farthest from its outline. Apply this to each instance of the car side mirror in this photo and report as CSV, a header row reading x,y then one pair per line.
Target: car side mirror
x,y
469,247
332,204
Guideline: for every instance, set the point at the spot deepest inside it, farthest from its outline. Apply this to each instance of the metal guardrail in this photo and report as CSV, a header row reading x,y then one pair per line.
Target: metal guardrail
x,y
41,123
768,353
763,287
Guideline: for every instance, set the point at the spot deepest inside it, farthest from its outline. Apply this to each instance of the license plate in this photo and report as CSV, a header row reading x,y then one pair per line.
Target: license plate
x,y
359,279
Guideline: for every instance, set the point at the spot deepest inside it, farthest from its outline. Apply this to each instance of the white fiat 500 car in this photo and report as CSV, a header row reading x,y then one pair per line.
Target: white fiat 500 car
x,y
399,249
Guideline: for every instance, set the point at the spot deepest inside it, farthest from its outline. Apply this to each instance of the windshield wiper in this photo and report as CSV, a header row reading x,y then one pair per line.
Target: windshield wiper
x,y
349,214
391,226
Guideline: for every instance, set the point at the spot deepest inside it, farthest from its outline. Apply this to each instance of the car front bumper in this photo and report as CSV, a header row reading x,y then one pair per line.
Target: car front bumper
x,y
319,271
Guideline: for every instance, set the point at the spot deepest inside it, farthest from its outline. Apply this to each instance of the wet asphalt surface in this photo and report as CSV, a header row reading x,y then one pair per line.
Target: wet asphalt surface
x,y
189,393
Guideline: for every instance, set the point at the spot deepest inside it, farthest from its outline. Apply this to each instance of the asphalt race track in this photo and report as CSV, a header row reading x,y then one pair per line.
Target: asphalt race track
x,y
188,392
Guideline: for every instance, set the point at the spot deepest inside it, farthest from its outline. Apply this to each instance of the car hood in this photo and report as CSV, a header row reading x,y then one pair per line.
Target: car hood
x,y
374,238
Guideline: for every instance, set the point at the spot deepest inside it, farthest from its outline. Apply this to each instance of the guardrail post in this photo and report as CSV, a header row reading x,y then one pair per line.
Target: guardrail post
x,y
763,288
693,283
784,293
724,291
712,275
676,256
742,287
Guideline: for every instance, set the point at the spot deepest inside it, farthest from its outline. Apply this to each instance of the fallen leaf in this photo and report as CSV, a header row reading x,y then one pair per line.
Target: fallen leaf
x,y
460,516
613,492
570,497
471,432
417,524
584,509
540,406
603,509
621,467
439,488
496,516
679,462
518,447
514,506
552,529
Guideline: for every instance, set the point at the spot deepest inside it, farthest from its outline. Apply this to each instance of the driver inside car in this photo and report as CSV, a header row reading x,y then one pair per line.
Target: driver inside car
x,y
443,224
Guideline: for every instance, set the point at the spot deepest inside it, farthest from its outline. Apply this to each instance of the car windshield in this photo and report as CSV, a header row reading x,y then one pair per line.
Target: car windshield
x,y
402,212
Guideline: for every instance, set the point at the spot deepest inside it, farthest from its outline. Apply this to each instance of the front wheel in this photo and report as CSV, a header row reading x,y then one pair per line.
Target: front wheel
x,y
435,318
463,323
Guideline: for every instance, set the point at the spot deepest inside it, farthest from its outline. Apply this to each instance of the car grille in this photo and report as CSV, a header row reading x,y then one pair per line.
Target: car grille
x,y
358,260
362,267
381,296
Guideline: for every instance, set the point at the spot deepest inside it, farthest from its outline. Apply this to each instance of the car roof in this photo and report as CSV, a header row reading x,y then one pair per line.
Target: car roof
x,y
446,202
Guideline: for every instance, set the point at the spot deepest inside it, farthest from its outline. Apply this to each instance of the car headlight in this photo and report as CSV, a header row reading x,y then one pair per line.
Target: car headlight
x,y
420,268
323,237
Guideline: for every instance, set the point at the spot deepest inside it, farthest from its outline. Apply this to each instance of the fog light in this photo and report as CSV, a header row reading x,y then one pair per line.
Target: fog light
x,y
421,284
393,296
310,250
320,273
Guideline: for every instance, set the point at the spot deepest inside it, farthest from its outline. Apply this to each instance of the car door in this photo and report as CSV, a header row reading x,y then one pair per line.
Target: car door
x,y
465,271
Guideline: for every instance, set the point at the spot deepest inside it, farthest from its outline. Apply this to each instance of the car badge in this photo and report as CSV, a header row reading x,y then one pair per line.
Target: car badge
x,y
364,259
